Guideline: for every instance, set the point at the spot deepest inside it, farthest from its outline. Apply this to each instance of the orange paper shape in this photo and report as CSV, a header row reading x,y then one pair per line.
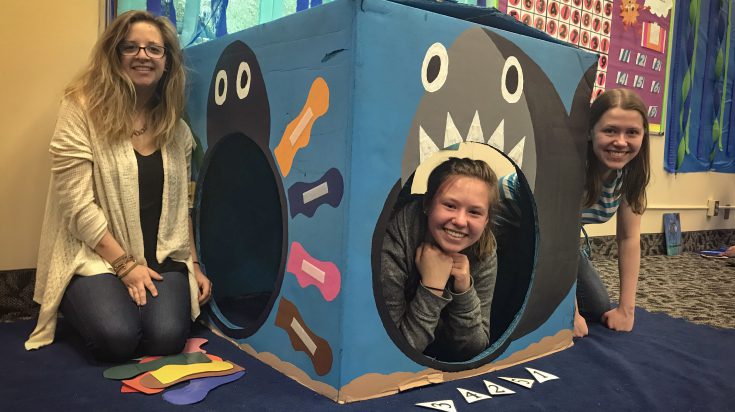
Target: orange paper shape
x,y
297,133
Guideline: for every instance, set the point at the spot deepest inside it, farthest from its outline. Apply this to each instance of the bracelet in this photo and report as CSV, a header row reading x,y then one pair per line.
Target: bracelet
x,y
431,288
120,263
195,263
122,275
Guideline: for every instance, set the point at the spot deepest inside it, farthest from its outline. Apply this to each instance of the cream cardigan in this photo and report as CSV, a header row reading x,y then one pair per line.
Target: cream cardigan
x,y
94,187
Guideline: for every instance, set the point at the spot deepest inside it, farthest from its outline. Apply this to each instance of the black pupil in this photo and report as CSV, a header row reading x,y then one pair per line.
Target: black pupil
x,y
244,79
511,80
432,71
221,88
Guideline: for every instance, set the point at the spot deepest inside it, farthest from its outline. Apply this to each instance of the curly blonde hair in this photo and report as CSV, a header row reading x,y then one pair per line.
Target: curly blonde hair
x,y
108,94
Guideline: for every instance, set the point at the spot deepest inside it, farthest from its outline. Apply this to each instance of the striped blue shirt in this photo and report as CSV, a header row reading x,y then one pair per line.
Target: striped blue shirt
x,y
600,212
607,204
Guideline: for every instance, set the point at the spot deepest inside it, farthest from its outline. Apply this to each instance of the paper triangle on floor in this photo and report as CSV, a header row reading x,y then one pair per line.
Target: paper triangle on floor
x,y
541,376
495,389
472,396
526,383
447,405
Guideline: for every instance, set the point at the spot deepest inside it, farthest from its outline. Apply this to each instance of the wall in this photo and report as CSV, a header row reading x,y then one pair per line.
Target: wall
x,y
49,43
44,45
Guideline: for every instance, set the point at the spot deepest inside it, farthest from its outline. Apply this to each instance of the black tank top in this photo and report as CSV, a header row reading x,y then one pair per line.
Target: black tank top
x,y
150,189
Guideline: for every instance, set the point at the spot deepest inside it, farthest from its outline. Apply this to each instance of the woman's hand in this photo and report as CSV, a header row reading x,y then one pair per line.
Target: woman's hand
x,y
434,266
138,280
205,285
730,252
619,319
580,326
461,273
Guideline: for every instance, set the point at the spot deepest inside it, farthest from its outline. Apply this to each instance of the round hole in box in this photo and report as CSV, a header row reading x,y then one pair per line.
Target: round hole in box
x,y
241,233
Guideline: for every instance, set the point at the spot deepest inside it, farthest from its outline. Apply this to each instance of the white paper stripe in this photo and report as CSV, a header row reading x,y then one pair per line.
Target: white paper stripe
x,y
296,326
312,271
316,192
301,126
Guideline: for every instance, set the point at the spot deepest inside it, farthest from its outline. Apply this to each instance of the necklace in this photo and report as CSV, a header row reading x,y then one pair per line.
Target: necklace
x,y
140,131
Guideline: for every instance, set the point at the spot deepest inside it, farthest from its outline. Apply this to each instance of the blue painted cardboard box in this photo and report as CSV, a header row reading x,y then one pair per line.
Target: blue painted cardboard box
x,y
308,129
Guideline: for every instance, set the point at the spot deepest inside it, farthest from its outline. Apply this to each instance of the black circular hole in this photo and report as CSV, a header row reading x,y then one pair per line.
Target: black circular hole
x,y
516,262
242,233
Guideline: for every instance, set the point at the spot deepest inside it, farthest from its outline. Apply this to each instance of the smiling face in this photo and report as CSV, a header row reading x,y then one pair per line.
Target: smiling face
x,y
458,213
617,137
144,71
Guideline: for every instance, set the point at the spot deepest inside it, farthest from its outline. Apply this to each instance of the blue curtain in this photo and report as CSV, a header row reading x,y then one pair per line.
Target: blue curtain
x,y
700,128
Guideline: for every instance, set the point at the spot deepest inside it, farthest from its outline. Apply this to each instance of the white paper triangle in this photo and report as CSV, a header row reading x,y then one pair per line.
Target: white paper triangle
x,y
541,376
427,147
475,132
472,396
526,383
451,134
497,140
516,154
495,389
447,405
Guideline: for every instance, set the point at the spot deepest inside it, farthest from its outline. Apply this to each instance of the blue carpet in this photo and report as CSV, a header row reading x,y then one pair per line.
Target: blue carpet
x,y
665,364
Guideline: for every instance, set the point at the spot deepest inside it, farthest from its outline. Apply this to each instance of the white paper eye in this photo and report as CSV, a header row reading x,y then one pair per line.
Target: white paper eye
x,y
243,76
220,88
435,68
511,82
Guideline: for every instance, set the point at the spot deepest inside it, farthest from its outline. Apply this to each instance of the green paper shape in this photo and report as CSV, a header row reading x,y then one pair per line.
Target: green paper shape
x,y
134,369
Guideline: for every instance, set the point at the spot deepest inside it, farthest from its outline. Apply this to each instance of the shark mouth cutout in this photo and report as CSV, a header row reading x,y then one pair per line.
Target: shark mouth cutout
x,y
452,136
434,75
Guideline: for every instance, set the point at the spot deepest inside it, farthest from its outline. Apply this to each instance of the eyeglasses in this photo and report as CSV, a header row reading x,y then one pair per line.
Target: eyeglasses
x,y
153,51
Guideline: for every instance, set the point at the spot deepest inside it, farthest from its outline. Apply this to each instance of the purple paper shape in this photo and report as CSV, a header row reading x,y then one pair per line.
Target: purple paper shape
x,y
306,198
197,389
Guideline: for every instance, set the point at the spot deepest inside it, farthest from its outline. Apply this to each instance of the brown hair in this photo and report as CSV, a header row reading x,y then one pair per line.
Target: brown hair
x,y
637,173
109,95
478,169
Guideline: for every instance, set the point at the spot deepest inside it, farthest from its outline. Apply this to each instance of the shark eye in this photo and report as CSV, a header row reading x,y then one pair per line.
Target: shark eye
x,y
435,68
243,80
511,82
220,88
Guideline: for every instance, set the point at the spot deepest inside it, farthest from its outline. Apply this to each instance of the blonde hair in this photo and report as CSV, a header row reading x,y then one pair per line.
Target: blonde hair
x,y
478,169
637,173
108,94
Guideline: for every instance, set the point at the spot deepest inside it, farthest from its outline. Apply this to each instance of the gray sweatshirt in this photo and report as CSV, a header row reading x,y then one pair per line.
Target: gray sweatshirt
x,y
453,327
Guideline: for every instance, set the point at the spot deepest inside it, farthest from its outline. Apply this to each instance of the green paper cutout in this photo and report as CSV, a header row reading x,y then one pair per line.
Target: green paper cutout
x,y
134,369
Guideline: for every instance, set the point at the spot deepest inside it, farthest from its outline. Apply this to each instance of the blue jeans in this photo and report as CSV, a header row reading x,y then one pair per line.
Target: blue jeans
x,y
592,297
114,328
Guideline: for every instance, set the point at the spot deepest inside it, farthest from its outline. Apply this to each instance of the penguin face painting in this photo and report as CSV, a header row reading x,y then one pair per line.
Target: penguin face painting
x,y
241,219
238,101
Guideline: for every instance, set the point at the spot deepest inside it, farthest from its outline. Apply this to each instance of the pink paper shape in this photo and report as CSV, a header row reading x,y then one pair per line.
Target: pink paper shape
x,y
309,271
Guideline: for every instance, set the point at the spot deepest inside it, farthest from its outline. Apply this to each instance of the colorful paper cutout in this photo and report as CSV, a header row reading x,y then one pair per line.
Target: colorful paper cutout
x,y
298,132
302,338
305,198
170,373
198,389
310,271
128,371
150,381
653,37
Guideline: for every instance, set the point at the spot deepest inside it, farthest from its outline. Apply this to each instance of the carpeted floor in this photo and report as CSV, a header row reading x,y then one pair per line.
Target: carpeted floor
x,y
688,286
